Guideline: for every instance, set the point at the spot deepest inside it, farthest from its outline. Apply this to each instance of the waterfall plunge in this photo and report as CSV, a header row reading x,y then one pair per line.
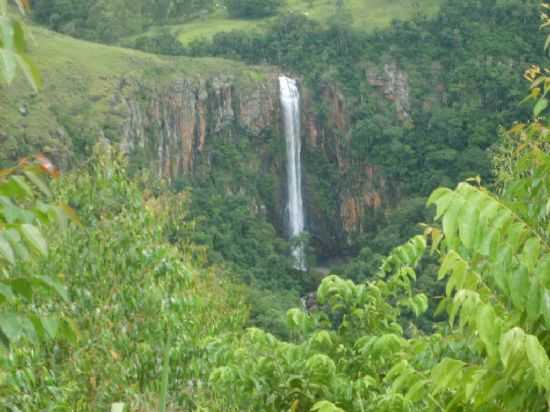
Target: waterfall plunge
x,y
290,102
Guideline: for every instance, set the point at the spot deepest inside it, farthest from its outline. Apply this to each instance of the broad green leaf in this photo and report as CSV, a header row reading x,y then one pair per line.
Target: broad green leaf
x,y
51,326
420,304
34,238
545,306
11,326
515,235
5,292
541,105
24,189
437,194
488,329
446,374
53,285
68,330
30,71
7,33
38,182
534,302
296,319
530,254
450,221
8,64
321,365
12,34
539,361
458,276
449,262
22,286
417,392
468,222
6,251
519,287
543,270
511,344
322,339
489,211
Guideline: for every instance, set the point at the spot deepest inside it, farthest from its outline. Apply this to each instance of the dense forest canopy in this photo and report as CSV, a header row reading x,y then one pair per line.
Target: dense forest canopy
x,y
124,287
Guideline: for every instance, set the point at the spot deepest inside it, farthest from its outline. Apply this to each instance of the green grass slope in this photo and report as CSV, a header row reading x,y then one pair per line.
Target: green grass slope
x,y
79,80
367,15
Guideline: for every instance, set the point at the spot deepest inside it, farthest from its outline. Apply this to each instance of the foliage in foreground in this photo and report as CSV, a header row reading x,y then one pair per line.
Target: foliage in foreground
x,y
13,46
136,300
25,212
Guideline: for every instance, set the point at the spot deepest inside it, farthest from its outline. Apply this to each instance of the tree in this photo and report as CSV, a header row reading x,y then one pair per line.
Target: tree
x,y
252,9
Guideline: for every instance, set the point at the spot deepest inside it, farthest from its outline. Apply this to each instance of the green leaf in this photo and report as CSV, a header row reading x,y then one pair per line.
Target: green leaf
x,y
30,71
533,306
539,361
34,238
326,406
51,326
6,251
519,287
5,292
24,189
22,286
541,105
8,64
416,392
449,261
468,223
447,374
530,254
420,304
543,270
488,329
546,307
68,330
38,182
10,326
511,344
450,221
52,284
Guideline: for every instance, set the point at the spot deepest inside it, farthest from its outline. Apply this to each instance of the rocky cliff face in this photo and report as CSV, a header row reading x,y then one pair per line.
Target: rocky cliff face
x,y
356,189
393,83
176,127
175,124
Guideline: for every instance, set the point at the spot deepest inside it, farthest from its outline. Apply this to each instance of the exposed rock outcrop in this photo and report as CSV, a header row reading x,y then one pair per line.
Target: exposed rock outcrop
x,y
357,188
172,125
394,85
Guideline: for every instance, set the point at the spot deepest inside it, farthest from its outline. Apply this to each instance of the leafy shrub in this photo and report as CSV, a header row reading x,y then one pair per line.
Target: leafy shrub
x,y
161,43
252,9
25,212
135,298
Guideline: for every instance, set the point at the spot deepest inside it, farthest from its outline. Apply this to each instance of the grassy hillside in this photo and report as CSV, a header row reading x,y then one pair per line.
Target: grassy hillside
x,y
80,78
367,15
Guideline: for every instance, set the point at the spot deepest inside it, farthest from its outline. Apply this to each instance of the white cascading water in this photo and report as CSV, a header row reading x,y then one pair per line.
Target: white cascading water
x,y
290,102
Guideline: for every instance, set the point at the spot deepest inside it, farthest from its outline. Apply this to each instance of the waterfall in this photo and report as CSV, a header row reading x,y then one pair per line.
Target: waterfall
x,y
290,102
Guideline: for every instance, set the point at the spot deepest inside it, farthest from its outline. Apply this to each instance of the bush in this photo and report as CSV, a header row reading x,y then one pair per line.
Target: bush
x,y
252,9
